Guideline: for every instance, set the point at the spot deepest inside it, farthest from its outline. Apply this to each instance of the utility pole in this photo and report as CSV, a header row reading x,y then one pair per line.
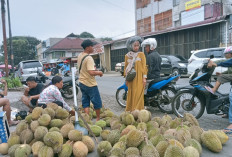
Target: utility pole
x,y
4,36
10,38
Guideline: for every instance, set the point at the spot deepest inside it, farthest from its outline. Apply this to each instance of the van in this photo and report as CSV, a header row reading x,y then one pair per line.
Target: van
x,y
27,68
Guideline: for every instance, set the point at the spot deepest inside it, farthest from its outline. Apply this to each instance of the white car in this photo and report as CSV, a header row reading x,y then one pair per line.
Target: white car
x,y
28,68
197,57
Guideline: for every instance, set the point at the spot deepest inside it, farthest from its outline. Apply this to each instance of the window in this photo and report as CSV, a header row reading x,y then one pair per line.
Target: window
x,y
57,55
164,60
163,20
144,25
176,2
27,65
216,53
142,3
174,58
201,54
74,54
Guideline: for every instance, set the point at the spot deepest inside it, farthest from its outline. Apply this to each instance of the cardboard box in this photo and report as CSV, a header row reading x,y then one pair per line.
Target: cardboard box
x,y
4,128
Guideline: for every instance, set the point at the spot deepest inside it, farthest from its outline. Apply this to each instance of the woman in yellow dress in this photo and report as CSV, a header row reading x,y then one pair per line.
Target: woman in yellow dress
x,y
135,95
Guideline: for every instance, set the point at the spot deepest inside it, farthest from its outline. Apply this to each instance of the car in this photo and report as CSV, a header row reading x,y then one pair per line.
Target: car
x,y
173,63
28,68
122,68
118,67
198,56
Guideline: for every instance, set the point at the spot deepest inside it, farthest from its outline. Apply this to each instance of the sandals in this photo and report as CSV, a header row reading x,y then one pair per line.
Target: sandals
x,y
225,116
227,131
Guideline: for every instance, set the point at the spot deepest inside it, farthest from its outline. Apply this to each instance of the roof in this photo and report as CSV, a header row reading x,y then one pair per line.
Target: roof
x,y
68,43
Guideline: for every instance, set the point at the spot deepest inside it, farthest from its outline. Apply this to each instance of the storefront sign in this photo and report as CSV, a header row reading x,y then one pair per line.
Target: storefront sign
x,y
192,16
192,4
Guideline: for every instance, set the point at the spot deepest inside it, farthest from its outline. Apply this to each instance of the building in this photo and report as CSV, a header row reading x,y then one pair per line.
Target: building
x,y
184,25
43,46
179,27
56,50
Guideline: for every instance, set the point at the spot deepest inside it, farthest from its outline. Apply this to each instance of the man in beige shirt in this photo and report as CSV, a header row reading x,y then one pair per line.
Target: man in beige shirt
x,y
88,84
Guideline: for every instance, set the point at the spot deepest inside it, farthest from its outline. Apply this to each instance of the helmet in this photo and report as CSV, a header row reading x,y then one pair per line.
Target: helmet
x,y
150,41
228,50
131,40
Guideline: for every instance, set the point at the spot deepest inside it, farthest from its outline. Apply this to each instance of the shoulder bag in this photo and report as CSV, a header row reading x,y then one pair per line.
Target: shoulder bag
x,y
132,73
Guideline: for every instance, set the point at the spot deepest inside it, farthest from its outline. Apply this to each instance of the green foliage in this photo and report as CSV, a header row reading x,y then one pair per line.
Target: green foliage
x,y
12,82
73,35
106,39
86,35
24,48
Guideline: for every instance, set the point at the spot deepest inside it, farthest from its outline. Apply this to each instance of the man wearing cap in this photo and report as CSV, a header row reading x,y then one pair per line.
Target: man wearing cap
x,y
88,84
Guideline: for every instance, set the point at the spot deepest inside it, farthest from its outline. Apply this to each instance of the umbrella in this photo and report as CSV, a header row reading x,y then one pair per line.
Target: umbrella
x,y
2,66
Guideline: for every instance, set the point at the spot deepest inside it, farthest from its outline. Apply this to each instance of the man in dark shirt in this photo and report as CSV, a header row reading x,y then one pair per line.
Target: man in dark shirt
x,y
31,94
153,58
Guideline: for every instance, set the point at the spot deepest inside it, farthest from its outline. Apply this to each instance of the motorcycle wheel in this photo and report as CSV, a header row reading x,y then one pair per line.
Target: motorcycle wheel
x,y
68,92
166,100
121,96
181,104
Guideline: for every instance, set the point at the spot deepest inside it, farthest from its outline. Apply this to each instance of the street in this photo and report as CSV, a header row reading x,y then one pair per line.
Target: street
x,y
108,85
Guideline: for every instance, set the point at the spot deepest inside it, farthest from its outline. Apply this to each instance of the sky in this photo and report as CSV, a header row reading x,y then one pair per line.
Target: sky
x,y
58,18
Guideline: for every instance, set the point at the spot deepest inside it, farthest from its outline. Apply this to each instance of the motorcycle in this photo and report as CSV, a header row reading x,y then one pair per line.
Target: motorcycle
x,y
67,90
194,98
41,77
159,93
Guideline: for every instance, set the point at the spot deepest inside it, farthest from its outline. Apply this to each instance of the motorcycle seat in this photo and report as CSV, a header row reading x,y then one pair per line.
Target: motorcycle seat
x,y
159,79
68,79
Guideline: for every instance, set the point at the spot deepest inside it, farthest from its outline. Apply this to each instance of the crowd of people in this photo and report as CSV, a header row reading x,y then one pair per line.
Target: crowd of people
x,y
62,68
145,68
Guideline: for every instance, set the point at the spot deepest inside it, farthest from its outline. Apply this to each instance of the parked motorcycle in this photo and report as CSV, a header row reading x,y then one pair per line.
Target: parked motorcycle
x,y
67,90
159,94
194,98
41,77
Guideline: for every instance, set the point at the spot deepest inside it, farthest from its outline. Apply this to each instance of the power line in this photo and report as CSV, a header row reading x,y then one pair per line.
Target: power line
x,y
123,33
117,6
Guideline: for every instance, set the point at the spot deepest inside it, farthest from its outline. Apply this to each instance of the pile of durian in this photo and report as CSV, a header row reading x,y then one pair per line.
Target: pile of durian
x,y
46,133
50,132
137,134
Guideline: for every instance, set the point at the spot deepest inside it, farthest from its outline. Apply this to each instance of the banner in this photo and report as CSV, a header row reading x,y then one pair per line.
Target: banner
x,y
192,4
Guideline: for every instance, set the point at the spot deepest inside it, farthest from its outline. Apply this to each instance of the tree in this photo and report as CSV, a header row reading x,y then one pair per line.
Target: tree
x,y
86,35
73,35
106,39
24,48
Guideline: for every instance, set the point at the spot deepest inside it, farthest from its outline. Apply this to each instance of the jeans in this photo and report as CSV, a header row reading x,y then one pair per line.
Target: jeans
x,y
230,109
90,94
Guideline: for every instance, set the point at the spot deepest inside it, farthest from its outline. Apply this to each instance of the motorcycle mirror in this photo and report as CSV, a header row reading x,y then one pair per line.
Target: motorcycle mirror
x,y
211,56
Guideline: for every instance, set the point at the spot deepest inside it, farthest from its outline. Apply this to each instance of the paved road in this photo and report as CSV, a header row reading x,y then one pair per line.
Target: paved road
x,y
108,85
